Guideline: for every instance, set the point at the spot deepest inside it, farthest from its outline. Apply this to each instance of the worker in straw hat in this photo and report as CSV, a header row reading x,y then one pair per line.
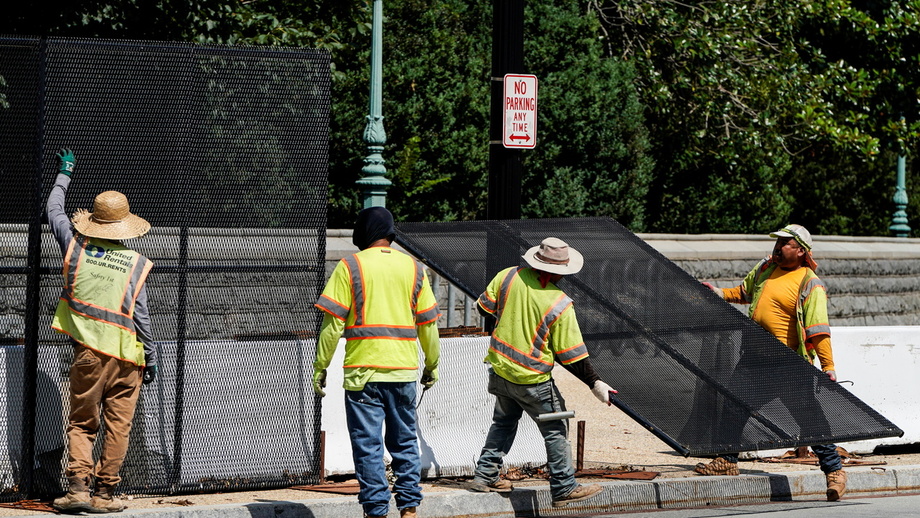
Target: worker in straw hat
x,y
103,309
536,327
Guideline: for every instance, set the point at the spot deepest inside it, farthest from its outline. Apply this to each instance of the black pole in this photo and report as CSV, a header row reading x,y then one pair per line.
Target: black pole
x,y
505,167
33,296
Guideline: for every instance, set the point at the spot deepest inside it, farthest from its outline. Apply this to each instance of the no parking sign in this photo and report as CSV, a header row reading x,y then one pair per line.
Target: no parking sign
x,y
519,126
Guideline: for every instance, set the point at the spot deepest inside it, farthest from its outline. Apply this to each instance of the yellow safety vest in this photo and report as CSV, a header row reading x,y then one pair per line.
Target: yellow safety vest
x,y
381,294
101,282
536,326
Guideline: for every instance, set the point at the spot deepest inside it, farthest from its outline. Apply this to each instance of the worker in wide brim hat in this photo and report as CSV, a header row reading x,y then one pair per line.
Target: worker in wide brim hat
x,y
103,309
536,327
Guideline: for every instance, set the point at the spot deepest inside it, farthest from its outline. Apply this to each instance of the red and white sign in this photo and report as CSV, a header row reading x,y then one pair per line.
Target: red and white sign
x,y
519,126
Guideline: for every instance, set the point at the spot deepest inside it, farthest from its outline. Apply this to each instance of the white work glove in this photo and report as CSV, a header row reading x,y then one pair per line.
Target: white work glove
x,y
602,391
832,375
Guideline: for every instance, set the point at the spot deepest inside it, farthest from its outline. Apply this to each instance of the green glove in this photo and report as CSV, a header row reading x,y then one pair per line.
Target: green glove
x,y
319,382
68,162
429,377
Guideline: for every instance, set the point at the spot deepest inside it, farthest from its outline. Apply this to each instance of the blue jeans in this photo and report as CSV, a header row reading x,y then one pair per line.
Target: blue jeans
x,y
366,411
511,400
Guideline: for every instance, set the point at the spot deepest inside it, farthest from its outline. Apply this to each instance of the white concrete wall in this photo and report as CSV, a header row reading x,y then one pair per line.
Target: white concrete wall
x,y
883,364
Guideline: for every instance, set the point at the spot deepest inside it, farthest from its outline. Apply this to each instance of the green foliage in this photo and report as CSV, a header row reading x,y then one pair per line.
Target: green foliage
x,y
592,157
740,92
690,116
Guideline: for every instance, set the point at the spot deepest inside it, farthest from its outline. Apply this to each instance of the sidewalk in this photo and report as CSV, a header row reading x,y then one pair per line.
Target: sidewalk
x,y
612,441
532,498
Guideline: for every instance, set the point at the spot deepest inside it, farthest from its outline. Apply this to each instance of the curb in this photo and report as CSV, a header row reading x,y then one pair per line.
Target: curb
x,y
617,496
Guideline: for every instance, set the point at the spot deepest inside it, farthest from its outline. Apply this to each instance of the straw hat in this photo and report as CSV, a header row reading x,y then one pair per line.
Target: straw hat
x,y
553,255
111,218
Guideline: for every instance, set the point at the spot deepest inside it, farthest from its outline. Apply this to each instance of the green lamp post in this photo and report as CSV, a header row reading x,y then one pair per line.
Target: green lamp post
x,y
899,219
374,184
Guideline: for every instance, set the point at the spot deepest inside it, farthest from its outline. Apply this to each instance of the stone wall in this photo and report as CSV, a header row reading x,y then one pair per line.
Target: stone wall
x,y
871,281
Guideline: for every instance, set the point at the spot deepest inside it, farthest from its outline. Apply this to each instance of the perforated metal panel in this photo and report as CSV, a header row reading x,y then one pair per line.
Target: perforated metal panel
x,y
225,151
698,373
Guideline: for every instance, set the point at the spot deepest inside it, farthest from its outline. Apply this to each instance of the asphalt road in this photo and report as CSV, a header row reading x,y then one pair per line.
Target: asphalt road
x,y
862,507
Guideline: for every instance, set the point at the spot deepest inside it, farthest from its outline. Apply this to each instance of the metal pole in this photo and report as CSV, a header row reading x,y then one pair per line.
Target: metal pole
x,y
505,167
451,302
33,297
374,185
899,219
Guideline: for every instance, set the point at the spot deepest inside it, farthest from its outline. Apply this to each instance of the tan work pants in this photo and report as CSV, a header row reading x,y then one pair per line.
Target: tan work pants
x,y
100,382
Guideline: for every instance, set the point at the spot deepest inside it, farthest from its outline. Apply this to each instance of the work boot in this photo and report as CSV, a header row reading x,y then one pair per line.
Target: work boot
x,y
580,493
77,498
718,466
499,486
836,485
104,501
408,512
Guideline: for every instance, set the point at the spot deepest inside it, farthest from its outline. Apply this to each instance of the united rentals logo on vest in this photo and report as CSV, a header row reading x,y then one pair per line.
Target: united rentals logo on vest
x,y
101,282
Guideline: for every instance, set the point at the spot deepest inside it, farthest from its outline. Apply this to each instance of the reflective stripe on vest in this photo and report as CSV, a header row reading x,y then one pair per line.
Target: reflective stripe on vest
x,y
333,307
804,293
359,330
504,290
397,332
539,340
535,364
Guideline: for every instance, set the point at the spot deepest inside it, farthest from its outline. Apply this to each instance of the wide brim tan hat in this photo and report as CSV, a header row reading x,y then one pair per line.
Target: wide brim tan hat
x,y
111,218
554,255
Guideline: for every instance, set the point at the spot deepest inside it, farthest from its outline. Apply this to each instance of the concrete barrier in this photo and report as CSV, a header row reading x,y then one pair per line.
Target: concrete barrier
x,y
453,416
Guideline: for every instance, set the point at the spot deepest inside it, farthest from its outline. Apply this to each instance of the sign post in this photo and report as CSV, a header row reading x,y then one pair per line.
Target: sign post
x,y
519,126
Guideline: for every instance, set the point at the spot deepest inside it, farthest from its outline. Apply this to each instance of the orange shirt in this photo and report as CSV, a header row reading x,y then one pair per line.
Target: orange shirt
x,y
776,312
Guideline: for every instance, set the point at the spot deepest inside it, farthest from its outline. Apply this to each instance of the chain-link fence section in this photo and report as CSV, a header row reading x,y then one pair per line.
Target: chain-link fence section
x,y
699,374
224,150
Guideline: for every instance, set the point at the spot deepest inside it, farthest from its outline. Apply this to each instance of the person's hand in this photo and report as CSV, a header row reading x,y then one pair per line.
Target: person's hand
x,y
717,291
832,375
319,382
68,162
603,391
150,373
429,377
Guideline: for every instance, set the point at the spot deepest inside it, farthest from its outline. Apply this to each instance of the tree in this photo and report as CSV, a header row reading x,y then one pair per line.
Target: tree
x,y
741,92
592,146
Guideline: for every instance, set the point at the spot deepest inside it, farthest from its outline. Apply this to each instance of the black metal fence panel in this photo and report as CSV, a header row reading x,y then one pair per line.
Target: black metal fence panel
x,y
225,151
698,373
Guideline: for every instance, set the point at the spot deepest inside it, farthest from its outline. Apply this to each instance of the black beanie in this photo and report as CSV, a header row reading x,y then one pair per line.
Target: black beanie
x,y
373,223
